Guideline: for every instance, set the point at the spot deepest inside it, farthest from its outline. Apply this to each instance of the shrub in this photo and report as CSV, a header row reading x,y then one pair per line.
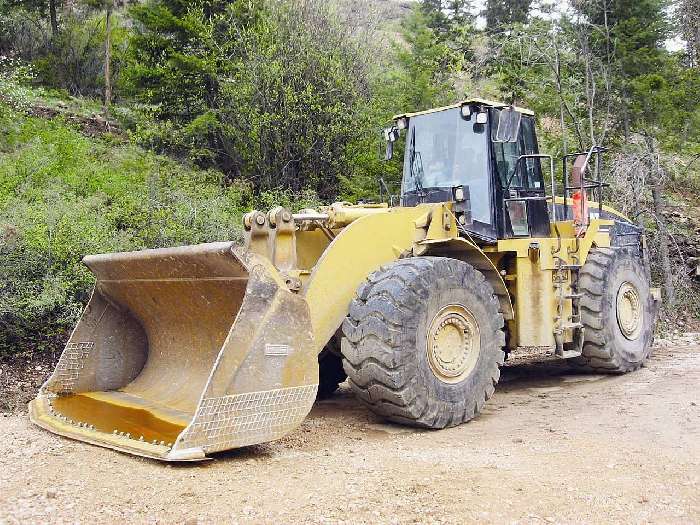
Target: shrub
x,y
268,91
15,75
63,195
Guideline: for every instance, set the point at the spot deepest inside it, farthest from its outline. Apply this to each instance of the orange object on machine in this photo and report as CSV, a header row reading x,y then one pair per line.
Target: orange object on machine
x,y
579,198
580,205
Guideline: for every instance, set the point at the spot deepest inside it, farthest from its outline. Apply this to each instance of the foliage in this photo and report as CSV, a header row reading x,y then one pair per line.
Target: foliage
x,y
503,14
73,58
14,77
687,19
228,89
25,30
282,102
426,63
76,61
63,195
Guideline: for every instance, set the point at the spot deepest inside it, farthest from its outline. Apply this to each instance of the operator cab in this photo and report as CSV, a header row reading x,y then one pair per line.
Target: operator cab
x,y
482,156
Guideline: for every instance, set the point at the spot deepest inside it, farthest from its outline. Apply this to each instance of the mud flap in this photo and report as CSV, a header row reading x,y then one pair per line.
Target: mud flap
x,y
182,352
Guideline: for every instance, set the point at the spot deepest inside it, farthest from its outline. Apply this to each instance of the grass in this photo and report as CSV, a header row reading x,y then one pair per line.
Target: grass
x,y
64,195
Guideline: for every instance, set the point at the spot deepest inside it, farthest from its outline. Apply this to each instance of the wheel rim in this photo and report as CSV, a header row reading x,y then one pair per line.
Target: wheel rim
x,y
453,343
630,315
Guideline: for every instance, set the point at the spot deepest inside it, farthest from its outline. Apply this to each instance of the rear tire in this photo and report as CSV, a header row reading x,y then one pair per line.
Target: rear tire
x,y
423,342
617,311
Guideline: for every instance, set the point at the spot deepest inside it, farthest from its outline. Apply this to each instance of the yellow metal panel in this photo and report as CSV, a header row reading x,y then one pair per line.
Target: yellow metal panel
x,y
359,249
467,251
564,247
310,246
536,263
534,304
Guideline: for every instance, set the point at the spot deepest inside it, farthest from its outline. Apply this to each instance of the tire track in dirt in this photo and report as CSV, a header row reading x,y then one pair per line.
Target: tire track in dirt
x,y
549,447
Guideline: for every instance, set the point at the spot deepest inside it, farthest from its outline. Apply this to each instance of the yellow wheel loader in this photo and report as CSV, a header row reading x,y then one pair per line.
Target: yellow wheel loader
x,y
183,352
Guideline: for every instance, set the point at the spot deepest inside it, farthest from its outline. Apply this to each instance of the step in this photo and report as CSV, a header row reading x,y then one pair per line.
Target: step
x,y
571,326
568,354
569,267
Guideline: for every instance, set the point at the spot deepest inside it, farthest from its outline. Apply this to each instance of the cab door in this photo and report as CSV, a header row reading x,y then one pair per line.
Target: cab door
x,y
522,204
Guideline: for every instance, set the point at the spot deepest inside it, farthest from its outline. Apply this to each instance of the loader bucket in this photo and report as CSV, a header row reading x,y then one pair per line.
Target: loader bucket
x,y
182,352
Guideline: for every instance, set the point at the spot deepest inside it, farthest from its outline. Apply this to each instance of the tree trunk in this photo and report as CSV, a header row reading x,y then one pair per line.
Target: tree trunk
x,y
54,18
669,289
108,63
657,202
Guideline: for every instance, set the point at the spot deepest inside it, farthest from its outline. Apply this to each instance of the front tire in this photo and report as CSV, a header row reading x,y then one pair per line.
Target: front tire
x,y
423,342
617,311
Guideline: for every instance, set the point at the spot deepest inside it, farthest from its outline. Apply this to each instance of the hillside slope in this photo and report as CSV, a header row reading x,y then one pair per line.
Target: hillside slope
x,y
64,195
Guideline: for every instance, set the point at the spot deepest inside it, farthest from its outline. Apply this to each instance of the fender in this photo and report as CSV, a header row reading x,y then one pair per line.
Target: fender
x,y
467,251
359,249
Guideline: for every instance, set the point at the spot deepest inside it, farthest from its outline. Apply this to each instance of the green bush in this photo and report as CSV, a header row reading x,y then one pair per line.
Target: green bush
x,y
271,92
73,59
15,75
63,195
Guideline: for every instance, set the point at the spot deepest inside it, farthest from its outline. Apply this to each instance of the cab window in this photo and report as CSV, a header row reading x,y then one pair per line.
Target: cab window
x,y
528,174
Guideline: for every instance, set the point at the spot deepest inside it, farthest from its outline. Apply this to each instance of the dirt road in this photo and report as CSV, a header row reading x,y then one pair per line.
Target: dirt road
x,y
550,447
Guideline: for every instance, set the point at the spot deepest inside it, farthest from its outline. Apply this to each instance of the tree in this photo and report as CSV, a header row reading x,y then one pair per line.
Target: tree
x,y
631,40
44,8
501,14
687,17
425,64
108,6
268,92
452,23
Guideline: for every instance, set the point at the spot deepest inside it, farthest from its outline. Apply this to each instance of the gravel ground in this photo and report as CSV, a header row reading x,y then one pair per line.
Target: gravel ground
x,y
550,447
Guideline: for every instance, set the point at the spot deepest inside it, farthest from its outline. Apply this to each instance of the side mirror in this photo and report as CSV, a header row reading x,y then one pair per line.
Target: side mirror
x,y
391,135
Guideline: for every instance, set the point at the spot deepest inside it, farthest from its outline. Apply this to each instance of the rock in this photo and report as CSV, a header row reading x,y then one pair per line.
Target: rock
x,y
51,494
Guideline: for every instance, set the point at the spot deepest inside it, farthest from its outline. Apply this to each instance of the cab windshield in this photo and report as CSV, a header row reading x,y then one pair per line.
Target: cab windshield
x,y
444,150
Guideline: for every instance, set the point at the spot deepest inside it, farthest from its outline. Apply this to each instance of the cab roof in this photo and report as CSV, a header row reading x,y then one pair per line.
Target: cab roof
x,y
470,101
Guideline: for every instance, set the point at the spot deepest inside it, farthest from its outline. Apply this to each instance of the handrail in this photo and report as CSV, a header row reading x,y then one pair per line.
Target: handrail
x,y
551,174
583,180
